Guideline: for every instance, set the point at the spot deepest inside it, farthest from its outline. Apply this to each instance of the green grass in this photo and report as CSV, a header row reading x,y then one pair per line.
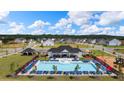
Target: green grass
x,y
100,53
42,58
5,64
1,51
63,78
120,50
114,46
20,45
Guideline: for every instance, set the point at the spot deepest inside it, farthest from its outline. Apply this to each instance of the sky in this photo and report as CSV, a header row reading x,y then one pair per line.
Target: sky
x,y
62,22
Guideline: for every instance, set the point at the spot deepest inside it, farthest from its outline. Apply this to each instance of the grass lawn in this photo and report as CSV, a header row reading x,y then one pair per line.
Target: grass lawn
x,y
21,45
120,50
64,78
42,58
100,53
80,46
5,64
1,51
114,46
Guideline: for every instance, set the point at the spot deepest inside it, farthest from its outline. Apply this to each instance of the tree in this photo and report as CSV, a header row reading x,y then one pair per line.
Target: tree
x,y
34,69
120,65
97,68
77,67
55,68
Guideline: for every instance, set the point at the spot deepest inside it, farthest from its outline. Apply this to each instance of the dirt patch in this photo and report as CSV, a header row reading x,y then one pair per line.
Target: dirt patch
x,y
110,61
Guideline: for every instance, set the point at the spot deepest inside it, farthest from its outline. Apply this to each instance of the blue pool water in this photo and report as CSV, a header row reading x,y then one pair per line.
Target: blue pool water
x,y
48,66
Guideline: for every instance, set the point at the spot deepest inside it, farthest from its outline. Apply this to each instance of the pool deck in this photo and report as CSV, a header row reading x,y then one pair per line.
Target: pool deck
x,y
69,74
27,74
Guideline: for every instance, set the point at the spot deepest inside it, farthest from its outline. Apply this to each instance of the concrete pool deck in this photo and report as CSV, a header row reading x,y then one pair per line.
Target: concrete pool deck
x,y
48,74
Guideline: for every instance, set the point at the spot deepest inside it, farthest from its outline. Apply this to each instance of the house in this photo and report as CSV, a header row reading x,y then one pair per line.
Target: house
x,y
101,41
93,41
20,40
122,42
1,42
31,43
48,42
68,40
29,51
65,52
114,42
84,40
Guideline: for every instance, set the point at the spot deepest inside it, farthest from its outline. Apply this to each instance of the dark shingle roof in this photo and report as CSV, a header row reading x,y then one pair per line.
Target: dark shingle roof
x,y
28,50
61,48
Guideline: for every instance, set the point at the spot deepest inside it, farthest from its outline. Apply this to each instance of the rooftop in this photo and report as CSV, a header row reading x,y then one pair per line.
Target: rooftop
x,y
67,47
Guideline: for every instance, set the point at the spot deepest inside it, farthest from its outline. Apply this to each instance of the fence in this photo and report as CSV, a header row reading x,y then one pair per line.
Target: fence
x,y
23,67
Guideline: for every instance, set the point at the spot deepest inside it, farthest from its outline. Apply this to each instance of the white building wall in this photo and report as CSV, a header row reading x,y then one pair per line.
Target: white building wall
x,y
48,43
0,42
114,42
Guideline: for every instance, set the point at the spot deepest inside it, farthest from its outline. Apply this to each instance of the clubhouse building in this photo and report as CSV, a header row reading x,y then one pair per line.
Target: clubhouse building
x,y
63,52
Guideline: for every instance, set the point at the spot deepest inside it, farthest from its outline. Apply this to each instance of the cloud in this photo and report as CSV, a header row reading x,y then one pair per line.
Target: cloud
x,y
39,24
107,18
15,28
38,31
62,23
3,16
120,32
89,29
94,29
74,18
69,31
80,18
3,22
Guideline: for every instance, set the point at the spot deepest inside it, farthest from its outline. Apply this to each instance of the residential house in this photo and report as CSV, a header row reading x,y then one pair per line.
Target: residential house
x,y
93,41
48,42
122,42
1,42
101,41
20,40
31,43
114,42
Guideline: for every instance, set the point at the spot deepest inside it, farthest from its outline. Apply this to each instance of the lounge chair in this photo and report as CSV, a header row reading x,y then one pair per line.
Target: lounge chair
x,y
94,72
52,72
72,72
78,72
66,73
85,72
45,72
39,72
59,72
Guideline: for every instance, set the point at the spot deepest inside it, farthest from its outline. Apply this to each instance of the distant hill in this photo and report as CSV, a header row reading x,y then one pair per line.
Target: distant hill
x,y
6,38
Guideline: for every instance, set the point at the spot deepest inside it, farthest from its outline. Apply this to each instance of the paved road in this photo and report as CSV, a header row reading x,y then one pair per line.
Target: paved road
x,y
10,51
107,50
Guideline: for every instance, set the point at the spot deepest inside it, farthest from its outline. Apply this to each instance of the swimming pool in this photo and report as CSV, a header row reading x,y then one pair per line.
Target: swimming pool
x,y
48,66
85,67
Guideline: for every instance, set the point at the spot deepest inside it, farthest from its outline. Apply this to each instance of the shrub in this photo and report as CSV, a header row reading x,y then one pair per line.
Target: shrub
x,y
50,77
